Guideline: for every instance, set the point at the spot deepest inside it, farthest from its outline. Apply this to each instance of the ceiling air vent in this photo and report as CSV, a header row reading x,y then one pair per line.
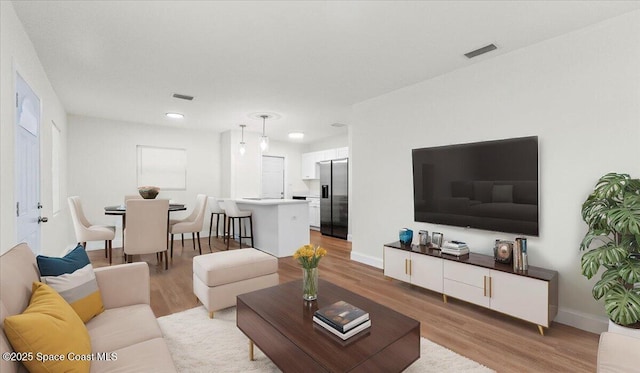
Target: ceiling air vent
x,y
338,125
183,97
480,51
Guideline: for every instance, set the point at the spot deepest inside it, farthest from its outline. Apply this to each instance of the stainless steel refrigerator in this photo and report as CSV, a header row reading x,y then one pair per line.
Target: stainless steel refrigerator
x,y
334,198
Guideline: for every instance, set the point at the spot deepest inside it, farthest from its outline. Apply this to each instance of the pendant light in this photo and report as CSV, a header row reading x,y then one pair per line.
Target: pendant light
x,y
243,148
264,140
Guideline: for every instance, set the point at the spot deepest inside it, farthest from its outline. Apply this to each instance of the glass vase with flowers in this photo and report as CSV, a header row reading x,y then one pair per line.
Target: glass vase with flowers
x,y
309,257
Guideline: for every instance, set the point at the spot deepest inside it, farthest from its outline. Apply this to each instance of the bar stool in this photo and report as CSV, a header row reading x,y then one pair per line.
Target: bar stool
x,y
214,207
233,213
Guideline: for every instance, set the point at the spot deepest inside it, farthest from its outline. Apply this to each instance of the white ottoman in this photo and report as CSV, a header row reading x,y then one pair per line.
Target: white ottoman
x,y
219,277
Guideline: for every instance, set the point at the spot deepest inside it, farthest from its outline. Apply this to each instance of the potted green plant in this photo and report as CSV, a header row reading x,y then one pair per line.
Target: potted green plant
x,y
612,213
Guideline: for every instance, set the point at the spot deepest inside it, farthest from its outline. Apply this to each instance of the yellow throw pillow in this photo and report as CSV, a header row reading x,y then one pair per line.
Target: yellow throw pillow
x,y
51,331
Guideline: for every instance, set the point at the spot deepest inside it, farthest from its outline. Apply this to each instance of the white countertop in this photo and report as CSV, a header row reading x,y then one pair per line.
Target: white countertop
x,y
268,201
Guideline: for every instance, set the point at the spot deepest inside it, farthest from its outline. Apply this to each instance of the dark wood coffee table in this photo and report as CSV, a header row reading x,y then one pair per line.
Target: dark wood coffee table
x,y
280,323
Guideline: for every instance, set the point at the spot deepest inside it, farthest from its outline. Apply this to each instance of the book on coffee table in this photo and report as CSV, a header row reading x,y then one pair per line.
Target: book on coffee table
x,y
353,331
342,316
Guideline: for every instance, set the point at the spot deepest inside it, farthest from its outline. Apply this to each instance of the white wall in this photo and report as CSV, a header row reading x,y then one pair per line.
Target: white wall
x,y
18,55
580,93
102,160
242,175
328,143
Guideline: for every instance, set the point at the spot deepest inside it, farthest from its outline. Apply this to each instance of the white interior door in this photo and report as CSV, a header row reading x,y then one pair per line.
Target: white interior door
x,y
272,177
27,165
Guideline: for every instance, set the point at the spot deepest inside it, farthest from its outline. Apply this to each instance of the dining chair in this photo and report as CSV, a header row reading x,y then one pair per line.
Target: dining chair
x,y
191,224
233,214
86,231
146,231
216,209
132,196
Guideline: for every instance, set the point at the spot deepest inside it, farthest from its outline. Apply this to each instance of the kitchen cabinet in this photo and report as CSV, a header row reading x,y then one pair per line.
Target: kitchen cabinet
x,y
309,164
314,213
309,161
342,153
530,295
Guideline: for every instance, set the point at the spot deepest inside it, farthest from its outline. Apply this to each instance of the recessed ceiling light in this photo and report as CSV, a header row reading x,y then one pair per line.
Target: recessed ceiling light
x,y
174,115
296,135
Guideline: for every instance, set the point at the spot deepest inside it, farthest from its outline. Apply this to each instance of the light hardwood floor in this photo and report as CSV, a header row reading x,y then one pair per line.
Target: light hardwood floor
x,y
497,341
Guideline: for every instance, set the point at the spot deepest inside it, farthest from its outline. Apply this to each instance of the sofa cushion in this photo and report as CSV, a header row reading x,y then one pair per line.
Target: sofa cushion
x,y
49,315
72,276
18,272
120,327
617,353
231,266
148,356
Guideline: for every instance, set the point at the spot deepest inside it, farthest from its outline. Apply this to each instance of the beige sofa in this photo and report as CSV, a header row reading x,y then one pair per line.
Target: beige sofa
x,y
127,327
618,353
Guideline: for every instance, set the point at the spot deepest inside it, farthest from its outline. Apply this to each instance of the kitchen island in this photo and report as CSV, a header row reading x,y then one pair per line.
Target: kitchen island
x,y
281,226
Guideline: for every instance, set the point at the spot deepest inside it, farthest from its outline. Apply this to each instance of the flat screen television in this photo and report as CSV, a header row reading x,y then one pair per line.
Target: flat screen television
x,y
490,185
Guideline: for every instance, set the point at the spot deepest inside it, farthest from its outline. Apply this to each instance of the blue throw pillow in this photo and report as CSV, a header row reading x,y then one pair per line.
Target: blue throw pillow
x,y
73,278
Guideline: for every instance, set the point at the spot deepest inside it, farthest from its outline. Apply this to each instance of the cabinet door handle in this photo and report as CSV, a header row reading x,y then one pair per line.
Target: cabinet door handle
x,y
484,286
490,287
406,267
410,267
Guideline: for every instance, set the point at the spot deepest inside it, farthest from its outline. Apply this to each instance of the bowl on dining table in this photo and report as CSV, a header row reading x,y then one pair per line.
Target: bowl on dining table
x,y
148,192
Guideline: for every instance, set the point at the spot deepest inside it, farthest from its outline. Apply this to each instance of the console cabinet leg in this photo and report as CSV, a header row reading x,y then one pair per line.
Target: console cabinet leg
x,y
541,330
250,350
444,298
211,314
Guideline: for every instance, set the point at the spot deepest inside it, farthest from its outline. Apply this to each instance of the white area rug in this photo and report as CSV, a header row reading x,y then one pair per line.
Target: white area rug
x,y
200,344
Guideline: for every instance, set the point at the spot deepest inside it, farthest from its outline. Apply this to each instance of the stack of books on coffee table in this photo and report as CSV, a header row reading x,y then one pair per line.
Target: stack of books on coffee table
x,y
342,319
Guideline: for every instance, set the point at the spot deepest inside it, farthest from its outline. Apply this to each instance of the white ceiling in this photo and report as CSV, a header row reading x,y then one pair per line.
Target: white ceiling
x,y
307,61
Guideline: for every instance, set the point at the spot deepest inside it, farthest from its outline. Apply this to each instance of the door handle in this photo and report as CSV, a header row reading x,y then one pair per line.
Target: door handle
x,y
484,286
42,219
490,287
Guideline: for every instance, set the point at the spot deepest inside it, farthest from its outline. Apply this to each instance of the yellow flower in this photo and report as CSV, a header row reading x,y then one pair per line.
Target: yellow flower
x,y
309,256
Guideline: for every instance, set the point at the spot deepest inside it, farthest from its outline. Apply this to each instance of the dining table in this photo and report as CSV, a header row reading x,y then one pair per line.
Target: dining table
x,y
121,210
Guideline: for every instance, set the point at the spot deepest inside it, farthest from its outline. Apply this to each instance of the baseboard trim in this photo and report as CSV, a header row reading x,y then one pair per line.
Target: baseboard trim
x,y
583,321
367,259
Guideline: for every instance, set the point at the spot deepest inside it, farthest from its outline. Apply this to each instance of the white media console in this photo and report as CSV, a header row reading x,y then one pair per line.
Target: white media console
x,y
530,295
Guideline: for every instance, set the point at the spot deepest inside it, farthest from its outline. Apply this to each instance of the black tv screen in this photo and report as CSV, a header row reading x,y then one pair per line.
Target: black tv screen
x,y
490,185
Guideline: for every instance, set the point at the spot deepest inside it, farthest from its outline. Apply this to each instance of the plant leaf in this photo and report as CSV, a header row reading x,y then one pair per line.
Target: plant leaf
x,y
610,278
590,263
612,254
611,186
629,271
594,212
625,218
599,234
623,305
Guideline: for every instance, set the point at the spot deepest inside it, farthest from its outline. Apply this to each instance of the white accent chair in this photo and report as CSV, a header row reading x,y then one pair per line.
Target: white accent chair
x,y
191,224
86,231
217,210
147,226
233,213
